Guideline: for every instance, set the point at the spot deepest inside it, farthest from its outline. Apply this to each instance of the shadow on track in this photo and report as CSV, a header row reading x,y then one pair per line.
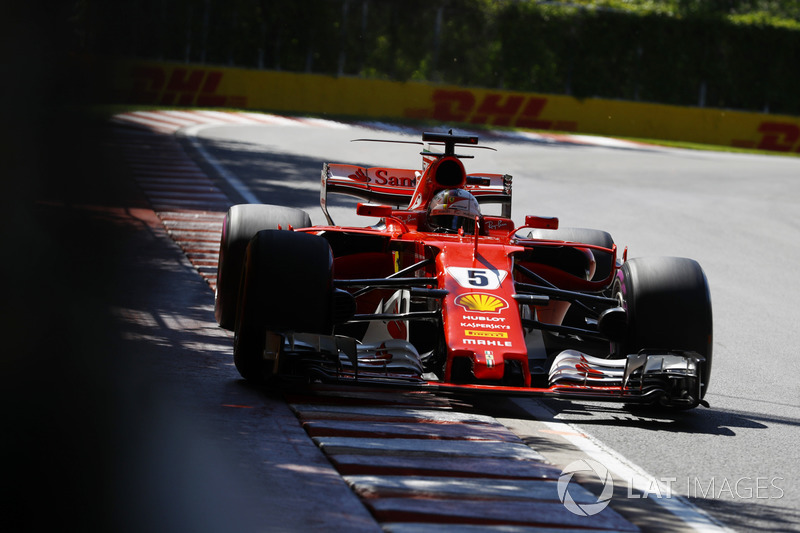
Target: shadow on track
x,y
714,421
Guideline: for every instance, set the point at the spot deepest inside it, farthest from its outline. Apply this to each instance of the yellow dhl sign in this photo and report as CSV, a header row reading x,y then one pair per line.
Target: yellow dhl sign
x,y
176,84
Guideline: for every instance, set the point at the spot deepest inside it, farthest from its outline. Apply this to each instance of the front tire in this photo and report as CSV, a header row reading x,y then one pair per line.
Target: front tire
x,y
287,286
668,304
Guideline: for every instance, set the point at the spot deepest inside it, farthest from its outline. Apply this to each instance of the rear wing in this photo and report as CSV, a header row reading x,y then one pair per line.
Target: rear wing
x,y
395,187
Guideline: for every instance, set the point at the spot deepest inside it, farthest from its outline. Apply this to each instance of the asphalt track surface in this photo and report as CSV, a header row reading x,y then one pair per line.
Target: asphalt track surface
x,y
736,214
125,412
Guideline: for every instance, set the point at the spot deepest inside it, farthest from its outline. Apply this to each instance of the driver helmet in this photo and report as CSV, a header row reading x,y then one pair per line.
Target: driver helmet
x,y
452,209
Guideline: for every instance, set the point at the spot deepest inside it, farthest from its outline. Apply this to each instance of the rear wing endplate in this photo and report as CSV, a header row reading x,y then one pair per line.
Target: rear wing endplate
x,y
390,186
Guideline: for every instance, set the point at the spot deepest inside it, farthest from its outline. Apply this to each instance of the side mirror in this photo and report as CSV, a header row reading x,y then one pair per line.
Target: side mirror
x,y
541,222
373,210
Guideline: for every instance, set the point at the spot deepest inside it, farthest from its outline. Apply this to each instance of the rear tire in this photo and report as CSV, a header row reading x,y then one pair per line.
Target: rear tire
x,y
668,304
241,223
287,286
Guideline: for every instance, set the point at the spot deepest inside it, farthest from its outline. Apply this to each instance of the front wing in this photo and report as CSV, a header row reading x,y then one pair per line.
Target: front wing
x,y
644,377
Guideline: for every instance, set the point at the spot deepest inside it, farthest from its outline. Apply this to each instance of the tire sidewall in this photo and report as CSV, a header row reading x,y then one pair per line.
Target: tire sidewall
x,y
287,286
668,303
240,224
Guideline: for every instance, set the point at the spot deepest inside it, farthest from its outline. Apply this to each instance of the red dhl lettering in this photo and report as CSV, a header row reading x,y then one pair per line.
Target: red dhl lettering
x,y
182,86
779,136
774,136
498,109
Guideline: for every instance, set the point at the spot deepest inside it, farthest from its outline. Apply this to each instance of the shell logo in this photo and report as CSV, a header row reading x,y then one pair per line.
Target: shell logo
x,y
481,303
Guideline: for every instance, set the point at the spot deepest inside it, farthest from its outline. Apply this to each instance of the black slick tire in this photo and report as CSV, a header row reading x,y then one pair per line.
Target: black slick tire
x,y
287,286
668,305
241,223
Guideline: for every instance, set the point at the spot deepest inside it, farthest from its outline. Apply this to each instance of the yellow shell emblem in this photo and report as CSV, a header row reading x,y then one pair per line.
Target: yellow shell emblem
x,y
481,303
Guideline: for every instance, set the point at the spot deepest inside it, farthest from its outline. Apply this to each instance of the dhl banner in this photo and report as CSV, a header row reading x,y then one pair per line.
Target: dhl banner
x,y
175,84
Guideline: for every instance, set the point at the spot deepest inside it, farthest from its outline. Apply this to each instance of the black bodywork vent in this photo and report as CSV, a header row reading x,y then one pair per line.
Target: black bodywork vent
x,y
450,173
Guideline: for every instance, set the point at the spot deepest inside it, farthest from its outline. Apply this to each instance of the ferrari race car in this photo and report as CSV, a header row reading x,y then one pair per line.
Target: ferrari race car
x,y
440,295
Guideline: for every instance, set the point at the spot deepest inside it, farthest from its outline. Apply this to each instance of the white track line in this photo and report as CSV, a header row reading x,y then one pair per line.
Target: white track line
x,y
277,120
191,133
156,125
164,116
325,123
234,118
191,117
609,142
637,477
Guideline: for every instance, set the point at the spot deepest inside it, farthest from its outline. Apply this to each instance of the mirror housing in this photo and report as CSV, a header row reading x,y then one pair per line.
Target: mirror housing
x,y
541,222
373,210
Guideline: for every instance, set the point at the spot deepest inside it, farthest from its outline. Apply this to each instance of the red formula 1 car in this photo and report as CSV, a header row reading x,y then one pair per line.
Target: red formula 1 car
x,y
440,295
